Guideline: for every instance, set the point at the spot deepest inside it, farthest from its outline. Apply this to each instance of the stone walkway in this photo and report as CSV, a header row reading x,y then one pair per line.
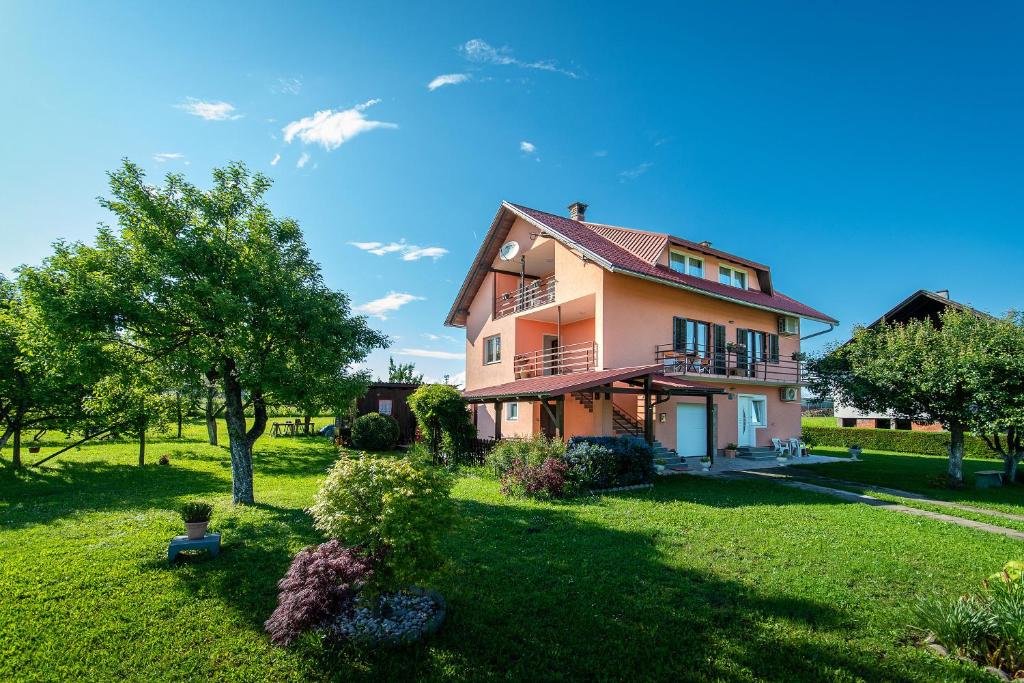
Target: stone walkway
x,y
850,496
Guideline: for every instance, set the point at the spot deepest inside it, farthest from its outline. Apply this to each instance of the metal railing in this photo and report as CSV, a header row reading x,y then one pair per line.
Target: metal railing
x,y
560,360
730,362
529,295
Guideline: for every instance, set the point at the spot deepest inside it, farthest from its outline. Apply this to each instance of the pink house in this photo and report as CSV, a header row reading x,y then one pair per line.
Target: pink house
x,y
579,328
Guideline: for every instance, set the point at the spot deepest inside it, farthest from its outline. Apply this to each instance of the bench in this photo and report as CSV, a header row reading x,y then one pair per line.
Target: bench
x,y
210,542
987,479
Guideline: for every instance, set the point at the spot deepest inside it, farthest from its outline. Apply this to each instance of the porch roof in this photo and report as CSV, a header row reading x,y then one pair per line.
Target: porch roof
x,y
558,385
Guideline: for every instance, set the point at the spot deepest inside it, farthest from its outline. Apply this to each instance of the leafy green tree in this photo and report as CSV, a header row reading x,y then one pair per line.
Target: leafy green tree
x,y
919,370
211,283
403,372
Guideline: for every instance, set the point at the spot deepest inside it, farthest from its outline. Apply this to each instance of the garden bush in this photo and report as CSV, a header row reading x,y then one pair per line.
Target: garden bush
x,y
375,432
443,419
393,509
987,627
634,459
532,452
591,465
546,480
323,580
896,440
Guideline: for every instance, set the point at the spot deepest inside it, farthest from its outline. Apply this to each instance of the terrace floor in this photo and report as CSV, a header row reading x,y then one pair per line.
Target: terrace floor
x,y
723,466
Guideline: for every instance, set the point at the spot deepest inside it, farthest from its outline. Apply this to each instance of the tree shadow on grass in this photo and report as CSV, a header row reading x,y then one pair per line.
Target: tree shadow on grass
x,y
39,496
538,594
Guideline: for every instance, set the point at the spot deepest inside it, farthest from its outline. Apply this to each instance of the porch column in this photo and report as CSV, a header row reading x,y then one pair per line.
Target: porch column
x,y
648,412
560,416
709,411
497,420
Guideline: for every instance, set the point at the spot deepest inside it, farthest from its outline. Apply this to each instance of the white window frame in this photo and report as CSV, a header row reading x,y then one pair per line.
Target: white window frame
x,y
686,262
758,398
497,354
512,415
732,276
381,402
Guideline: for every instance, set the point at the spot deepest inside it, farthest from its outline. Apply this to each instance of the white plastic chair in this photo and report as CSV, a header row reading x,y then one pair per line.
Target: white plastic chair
x,y
797,446
781,449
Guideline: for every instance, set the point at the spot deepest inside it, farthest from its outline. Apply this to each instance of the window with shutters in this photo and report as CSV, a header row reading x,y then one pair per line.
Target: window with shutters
x,y
691,336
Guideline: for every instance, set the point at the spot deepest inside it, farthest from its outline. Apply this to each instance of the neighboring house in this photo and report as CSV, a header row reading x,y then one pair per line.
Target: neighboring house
x,y
390,398
920,305
578,328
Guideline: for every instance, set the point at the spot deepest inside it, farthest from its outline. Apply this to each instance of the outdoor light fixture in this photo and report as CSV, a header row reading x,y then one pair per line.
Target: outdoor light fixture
x,y
661,417
731,396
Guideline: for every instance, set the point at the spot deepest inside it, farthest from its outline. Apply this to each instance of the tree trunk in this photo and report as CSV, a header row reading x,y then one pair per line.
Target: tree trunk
x,y
1010,468
6,437
259,421
211,415
241,451
178,405
142,443
16,454
955,471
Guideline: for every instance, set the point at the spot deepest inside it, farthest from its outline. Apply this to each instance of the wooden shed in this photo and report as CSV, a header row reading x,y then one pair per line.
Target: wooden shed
x,y
390,398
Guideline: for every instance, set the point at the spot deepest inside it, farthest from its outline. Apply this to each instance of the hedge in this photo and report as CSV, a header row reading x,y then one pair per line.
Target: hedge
x,y
896,440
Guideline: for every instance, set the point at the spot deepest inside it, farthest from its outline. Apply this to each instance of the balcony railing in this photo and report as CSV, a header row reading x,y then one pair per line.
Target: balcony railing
x,y
730,362
526,296
560,360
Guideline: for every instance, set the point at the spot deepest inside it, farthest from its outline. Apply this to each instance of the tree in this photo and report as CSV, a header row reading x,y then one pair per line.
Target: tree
x,y
919,370
403,372
443,418
211,283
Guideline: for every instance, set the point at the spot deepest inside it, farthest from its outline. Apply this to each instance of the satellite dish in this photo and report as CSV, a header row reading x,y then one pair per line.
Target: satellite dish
x,y
508,250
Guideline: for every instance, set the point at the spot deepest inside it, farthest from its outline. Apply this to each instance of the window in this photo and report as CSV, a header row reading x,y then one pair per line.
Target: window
x,y
732,276
384,406
757,347
758,411
684,263
847,422
691,336
492,349
513,411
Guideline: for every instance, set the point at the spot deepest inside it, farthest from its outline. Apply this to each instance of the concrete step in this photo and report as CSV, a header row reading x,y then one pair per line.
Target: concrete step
x,y
671,470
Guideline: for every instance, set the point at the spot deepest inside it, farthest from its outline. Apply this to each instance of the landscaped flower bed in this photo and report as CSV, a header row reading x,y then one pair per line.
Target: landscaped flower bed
x,y
396,619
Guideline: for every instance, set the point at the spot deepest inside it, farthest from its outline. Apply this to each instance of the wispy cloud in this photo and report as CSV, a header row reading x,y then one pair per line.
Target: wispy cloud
x,y
409,252
481,52
447,79
431,353
211,111
527,147
635,172
303,160
439,337
287,86
277,158
600,153
330,129
380,308
161,157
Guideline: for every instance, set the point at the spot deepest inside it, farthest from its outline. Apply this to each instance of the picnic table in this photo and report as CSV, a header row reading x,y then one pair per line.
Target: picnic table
x,y
288,428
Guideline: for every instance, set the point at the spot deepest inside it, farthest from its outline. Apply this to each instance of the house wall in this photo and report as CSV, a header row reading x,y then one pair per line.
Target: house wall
x,y
783,417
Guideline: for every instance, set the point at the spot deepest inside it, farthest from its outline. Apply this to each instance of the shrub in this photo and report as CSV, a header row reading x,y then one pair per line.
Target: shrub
x,y
546,480
531,452
591,465
395,510
322,581
196,511
634,459
443,419
895,440
375,432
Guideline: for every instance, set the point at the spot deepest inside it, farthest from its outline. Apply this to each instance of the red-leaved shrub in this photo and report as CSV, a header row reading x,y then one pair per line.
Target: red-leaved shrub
x,y
322,581
544,480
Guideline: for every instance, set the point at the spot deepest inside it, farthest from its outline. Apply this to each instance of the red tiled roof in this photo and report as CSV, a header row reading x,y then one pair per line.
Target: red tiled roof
x,y
557,385
621,259
647,245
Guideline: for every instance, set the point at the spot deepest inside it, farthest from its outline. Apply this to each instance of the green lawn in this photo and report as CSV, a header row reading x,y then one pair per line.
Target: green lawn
x,y
818,421
696,579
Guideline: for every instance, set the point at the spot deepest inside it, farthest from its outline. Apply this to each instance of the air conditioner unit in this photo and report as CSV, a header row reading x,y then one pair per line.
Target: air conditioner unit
x,y
789,324
789,394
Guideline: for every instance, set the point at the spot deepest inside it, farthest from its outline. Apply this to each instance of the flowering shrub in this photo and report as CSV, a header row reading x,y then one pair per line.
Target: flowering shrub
x,y
533,452
591,465
322,581
375,432
547,479
394,509
634,459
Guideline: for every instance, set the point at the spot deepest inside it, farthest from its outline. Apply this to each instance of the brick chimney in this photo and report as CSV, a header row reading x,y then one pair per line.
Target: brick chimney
x,y
578,211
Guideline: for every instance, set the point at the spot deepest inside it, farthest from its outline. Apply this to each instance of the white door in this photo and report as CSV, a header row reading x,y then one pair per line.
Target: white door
x,y
691,429
752,415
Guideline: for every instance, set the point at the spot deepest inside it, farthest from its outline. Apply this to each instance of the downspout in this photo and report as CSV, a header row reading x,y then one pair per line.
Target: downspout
x,y
831,326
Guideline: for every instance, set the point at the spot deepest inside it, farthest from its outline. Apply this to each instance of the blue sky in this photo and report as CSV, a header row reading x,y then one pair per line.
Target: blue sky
x,y
863,151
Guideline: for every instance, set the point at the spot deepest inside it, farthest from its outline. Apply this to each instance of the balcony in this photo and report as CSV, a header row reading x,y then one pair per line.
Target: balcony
x,y
532,294
730,362
558,360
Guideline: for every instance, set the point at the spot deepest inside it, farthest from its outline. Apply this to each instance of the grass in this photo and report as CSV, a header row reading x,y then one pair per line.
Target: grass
x,y
807,421
695,579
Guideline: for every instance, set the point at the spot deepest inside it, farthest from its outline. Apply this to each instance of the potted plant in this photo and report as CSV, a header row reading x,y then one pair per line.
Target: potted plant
x,y
730,450
855,451
799,356
33,449
196,516
705,463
